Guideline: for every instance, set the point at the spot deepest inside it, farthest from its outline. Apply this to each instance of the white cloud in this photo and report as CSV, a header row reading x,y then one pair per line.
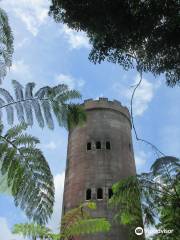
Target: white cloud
x,y
54,223
50,146
170,135
75,39
99,96
140,159
70,81
20,67
143,95
33,13
21,43
20,71
5,232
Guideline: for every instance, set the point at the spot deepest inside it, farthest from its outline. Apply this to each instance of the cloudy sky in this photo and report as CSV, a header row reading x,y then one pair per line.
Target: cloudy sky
x,y
48,53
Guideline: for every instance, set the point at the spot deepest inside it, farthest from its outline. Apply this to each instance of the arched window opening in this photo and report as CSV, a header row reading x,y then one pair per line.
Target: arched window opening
x,y
98,145
108,145
89,146
88,194
110,193
99,193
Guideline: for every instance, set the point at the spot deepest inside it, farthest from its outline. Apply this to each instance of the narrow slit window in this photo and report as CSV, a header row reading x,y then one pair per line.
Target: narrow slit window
x,y
89,147
108,145
88,194
98,145
110,193
99,193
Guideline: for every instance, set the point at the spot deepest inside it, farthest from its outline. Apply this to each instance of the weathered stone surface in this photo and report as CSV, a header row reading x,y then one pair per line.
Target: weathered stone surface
x,y
99,168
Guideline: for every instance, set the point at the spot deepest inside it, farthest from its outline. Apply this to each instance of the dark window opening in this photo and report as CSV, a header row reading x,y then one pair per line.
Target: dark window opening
x,y
108,145
98,145
110,193
130,146
88,194
89,146
99,193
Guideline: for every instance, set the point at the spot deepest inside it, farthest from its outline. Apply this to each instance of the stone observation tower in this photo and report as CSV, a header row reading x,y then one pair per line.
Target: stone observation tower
x,y
100,153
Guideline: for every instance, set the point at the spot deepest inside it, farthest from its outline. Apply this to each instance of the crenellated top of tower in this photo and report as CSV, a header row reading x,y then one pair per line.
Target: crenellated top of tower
x,y
104,103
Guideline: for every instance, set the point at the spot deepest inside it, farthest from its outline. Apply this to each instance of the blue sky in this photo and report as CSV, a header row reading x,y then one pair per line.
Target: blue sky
x,y
48,53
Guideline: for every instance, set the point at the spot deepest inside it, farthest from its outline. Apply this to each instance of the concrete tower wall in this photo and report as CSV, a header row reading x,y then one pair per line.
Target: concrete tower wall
x,y
107,121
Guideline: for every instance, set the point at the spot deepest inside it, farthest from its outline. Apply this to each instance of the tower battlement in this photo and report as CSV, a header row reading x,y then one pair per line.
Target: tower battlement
x,y
104,103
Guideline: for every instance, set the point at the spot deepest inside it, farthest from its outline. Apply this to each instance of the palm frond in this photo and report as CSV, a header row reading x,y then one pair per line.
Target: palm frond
x,y
45,102
27,172
6,44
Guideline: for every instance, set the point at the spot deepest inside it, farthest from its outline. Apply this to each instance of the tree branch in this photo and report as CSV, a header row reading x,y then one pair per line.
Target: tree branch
x,y
135,131
132,119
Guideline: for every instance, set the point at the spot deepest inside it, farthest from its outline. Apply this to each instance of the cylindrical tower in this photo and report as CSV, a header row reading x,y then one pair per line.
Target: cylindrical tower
x,y
100,153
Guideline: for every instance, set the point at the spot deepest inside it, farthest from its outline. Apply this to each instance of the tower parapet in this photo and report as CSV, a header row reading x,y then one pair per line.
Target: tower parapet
x,y
104,103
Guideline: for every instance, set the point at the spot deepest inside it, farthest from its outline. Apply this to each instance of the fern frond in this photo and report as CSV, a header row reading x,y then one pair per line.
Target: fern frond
x,y
31,230
79,221
47,113
2,103
76,115
9,109
28,174
87,226
6,44
18,89
15,131
44,102
27,104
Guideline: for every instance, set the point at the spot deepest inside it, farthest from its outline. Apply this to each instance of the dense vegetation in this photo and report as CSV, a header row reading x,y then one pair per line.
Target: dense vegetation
x,y
75,222
159,192
131,33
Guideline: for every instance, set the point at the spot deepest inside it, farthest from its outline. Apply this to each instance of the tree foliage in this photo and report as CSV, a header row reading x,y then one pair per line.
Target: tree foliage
x,y
34,231
75,222
79,221
6,44
22,164
27,172
128,32
44,102
159,192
